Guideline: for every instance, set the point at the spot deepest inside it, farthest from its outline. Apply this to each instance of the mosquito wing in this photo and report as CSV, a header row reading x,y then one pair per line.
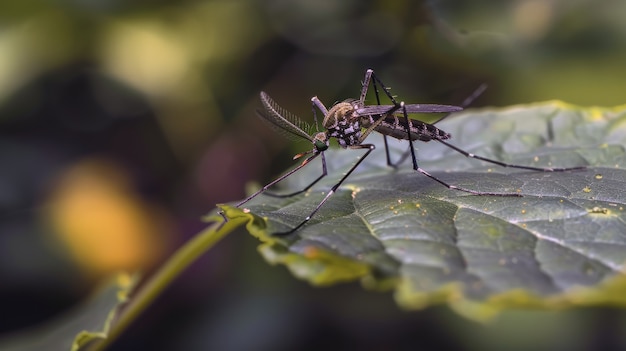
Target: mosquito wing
x,y
282,120
411,108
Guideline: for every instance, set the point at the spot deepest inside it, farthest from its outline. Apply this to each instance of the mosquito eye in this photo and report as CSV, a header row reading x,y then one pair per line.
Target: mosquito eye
x,y
320,145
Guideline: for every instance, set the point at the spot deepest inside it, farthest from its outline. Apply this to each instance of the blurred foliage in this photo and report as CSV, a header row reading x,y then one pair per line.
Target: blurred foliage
x,y
150,105
87,322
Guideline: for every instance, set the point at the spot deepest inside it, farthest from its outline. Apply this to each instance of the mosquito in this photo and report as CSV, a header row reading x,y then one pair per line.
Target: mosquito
x,y
351,121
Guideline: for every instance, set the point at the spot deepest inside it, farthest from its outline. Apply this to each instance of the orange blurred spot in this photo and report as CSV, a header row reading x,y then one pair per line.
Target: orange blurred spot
x,y
104,225
311,252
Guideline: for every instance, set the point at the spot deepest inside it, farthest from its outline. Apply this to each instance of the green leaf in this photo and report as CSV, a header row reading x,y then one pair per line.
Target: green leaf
x,y
562,243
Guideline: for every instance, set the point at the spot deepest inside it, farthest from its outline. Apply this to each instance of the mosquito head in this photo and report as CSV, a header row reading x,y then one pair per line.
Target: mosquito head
x,y
320,141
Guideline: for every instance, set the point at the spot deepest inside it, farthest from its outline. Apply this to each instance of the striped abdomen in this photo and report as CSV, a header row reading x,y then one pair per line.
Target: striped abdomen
x,y
394,126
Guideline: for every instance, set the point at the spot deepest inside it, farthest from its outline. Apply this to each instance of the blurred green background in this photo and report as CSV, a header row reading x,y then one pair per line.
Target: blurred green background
x,y
123,122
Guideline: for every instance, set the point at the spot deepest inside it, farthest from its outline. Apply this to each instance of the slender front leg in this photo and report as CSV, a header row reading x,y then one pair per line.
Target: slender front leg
x,y
370,148
304,163
504,164
324,173
468,101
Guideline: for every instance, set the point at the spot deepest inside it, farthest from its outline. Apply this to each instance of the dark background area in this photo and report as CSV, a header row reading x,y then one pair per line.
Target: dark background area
x,y
122,123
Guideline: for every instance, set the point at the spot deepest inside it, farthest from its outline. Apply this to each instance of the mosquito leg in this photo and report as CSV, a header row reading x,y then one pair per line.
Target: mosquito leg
x,y
388,156
468,100
475,94
263,189
366,82
317,126
454,187
370,148
317,103
384,88
402,158
368,75
304,163
407,128
365,85
377,122
324,173
504,164
447,185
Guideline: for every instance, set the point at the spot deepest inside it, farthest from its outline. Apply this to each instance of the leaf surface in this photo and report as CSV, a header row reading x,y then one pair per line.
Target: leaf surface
x,y
562,243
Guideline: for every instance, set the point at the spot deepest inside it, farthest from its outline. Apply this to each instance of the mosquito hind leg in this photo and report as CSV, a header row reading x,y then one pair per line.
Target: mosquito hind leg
x,y
468,101
509,165
455,187
447,185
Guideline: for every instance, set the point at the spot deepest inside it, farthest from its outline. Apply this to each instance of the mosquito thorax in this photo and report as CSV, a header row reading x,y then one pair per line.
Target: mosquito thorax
x,y
343,124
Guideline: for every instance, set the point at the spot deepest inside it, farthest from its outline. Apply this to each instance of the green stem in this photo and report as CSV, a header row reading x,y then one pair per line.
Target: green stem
x,y
181,259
